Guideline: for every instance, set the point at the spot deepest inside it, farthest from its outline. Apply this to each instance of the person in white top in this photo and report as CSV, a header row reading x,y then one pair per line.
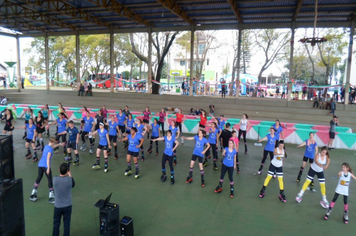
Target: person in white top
x,y
321,163
276,166
342,189
244,126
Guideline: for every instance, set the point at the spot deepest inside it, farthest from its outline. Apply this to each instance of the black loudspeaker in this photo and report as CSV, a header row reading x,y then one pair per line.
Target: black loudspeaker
x,y
12,221
109,220
126,225
7,170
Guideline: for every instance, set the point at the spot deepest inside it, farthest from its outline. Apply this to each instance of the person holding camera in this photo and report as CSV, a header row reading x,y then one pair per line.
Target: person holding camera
x,y
63,185
333,123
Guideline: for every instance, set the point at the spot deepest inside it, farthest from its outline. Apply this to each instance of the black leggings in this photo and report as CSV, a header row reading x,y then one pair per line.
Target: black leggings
x,y
41,171
243,132
162,126
84,133
215,154
265,154
179,125
64,137
166,158
230,170
337,195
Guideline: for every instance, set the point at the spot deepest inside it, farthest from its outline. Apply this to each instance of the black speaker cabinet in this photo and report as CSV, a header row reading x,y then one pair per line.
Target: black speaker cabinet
x,y
126,225
7,170
12,221
109,220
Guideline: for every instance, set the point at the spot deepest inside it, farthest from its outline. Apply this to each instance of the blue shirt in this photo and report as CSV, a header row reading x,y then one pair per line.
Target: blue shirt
x,y
43,162
72,134
27,116
169,146
278,131
212,136
112,128
102,137
199,146
155,130
310,149
30,131
222,123
229,157
45,113
174,131
61,125
130,124
271,142
139,128
88,123
121,119
133,142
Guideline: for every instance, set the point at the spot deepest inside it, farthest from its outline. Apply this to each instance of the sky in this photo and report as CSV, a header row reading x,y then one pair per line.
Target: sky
x,y
8,52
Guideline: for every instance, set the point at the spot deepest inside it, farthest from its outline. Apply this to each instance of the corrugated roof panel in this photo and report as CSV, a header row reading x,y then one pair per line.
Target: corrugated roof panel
x,y
261,4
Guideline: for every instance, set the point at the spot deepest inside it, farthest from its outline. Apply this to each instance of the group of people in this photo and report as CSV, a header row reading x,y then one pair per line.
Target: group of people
x,y
122,127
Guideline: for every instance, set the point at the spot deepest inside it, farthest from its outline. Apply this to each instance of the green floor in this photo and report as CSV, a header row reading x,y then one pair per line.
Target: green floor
x,y
188,209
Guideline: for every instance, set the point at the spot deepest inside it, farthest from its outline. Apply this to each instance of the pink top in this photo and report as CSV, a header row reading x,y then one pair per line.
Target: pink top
x,y
161,116
235,140
146,115
104,113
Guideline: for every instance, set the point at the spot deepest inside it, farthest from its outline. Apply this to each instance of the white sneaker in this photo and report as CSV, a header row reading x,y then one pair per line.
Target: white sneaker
x,y
299,198
51,197
324,203
33,196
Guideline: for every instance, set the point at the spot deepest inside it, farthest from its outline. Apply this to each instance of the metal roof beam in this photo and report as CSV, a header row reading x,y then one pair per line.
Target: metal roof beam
x,y
175,8
236,11
118,8
297,9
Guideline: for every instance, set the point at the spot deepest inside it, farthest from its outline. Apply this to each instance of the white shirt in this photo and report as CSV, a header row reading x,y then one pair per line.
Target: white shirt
x,y
317,168
243,124
277,160
343,184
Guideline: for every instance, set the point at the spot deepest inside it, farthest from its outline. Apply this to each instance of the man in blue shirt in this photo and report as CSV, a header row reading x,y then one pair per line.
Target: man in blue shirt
x,y
73,136
44,167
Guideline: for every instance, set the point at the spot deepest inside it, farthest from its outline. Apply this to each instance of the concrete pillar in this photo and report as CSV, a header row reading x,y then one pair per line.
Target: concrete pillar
x,y
238,63
18,66
77,57
149,64
112,76
47,64
191,61
349,60
291,76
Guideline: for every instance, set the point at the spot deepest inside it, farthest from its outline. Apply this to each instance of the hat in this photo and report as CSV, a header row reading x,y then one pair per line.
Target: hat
x,y
101,123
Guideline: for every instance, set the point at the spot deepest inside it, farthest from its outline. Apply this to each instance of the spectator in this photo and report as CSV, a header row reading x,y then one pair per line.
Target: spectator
x,y
4,79
4,101
63,185
104,112
322,102
277,91
328,102
183,87
89,91
23,82
304,91
333,123
81,90
197,112
191,112
332,106
316,102
342,93
211,109
85,85
223,87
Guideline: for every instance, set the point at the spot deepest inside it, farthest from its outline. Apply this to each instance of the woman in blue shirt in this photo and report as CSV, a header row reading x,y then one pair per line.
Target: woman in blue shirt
x,y
175,134
269,148
229,164
198,153
129,124
155,135
309,154
89,124
61,125
170,145
213,139
104,144
30,139
28,115
113,130
121,118
141,129
72,144
135,141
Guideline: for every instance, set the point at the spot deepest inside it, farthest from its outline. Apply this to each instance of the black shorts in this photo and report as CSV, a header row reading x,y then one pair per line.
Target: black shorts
x,y
72,145
153,137
332,135
306,159
8,128
45,118
29,140
194,158
146,121
103,147
133,154
82,121
113,138
122,129
26,121
278,170
40,130
201,126
312,173
128,131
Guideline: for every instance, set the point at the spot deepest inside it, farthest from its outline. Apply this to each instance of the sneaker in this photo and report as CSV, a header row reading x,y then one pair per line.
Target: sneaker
x,y
346,217
149,150
172,179
157,153
142,159
76,162
231,192
262,192
189,180
182,141
35,159
68,159
109,153
218,189
28,156
106,168
238,169
84,147
175,161
51,197
299,198
128,171
137,174
96,166
282,197
205,163
327,214
33,196
259,172
163,178
91,151
203,182
324,203
215,167
116,156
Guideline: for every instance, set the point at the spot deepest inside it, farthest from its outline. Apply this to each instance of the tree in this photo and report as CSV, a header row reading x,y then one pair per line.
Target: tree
x,y
161,43
271,42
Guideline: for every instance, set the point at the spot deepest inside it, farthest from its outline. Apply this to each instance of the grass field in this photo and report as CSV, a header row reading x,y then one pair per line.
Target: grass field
x,y
188,209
